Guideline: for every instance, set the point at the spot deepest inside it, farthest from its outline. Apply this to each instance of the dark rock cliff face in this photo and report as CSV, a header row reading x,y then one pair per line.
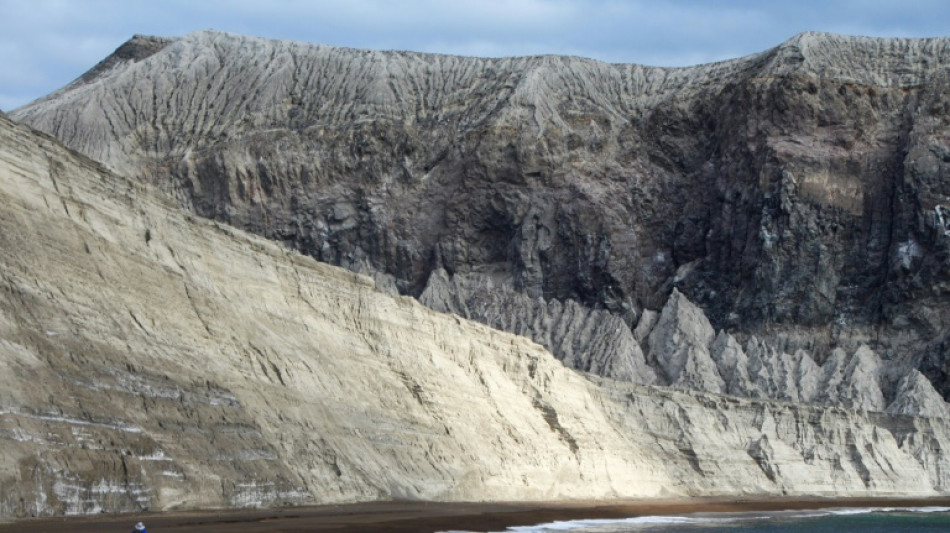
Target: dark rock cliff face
x,y
800,197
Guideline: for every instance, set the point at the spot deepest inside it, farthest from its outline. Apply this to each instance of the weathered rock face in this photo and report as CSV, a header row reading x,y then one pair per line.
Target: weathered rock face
x,y
152,359
688,354
798,195
679,346
586,339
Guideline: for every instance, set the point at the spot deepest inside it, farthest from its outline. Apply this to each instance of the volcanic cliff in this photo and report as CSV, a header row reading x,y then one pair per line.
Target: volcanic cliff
x,y
794,203
768,236
151,359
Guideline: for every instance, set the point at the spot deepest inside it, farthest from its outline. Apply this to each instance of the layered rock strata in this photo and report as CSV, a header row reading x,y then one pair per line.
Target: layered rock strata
x,y
154,360
797,195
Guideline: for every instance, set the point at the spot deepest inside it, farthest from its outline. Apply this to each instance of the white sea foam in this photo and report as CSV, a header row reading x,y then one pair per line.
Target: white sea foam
x,y
845,512
568,525
866,510
606,524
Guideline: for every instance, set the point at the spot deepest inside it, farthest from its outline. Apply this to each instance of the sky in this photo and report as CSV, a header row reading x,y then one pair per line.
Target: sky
x,y
45,44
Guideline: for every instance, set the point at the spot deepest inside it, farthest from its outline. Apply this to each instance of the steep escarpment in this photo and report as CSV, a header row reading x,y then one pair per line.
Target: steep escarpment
x,y
797,197
155,360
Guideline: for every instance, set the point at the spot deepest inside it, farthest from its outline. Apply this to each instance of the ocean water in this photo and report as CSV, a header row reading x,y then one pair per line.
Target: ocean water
x,y
876,520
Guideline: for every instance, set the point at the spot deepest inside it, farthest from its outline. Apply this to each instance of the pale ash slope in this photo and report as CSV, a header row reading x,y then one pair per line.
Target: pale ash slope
x,y
154,360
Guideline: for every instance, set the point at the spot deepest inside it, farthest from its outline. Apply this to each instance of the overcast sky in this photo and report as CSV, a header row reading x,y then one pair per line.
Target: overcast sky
x,y
45,44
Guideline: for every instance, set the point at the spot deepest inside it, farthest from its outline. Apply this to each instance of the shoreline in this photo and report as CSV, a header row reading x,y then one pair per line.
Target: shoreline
x,y
428,517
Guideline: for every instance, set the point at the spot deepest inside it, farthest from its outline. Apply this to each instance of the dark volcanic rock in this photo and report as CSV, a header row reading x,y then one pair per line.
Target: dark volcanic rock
x,y
799,195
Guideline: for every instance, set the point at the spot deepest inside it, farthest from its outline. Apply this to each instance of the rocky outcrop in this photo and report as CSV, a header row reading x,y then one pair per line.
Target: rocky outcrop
x,y
797,196
679,346
916,396
687,353
154,360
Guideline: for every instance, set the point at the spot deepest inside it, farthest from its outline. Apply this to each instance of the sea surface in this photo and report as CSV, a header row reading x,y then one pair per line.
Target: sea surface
x,y
843,520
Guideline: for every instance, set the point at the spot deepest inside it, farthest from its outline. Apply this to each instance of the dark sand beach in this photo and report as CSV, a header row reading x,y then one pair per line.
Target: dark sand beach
x,y
418,517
